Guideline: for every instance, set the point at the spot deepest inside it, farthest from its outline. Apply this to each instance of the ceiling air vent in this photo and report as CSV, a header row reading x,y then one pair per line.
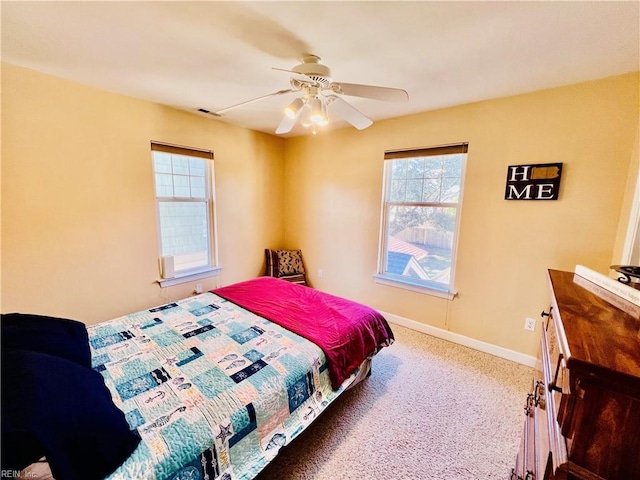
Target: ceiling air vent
x,y
208,112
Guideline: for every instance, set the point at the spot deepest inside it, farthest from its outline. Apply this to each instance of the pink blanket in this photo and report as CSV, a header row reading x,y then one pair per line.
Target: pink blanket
x,y
347,332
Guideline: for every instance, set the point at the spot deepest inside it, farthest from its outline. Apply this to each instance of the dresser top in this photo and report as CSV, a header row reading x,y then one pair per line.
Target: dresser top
x,y
602,331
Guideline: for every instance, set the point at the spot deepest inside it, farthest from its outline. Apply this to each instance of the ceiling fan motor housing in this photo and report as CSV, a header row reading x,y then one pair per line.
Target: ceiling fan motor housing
x,y
316,71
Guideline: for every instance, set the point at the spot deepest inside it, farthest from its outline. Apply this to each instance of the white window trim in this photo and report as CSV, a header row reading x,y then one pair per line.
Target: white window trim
x,y
631,243
434,290
190,277
199,273
426,288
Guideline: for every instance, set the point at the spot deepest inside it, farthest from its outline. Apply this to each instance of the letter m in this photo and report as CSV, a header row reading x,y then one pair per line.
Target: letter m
x,y
524,194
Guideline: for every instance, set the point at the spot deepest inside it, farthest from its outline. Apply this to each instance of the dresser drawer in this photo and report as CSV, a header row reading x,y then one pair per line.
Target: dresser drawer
x,y
557,389
525,467
542,446
534,460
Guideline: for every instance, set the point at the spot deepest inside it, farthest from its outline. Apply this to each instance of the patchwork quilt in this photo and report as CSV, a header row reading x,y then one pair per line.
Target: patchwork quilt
x,y
213,390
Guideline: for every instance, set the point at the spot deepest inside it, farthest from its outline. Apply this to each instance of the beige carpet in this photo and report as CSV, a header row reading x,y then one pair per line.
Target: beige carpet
x,y
432,409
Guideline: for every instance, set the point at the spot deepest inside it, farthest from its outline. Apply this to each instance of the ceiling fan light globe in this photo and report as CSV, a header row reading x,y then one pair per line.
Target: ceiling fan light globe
x,y
305,116
293,109
317,114
324,120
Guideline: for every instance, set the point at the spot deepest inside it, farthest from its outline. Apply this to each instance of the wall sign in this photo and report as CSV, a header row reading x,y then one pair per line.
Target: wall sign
x,y
533,182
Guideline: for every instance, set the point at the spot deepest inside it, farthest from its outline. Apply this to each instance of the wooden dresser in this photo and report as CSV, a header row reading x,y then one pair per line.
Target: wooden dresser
x,y
582,416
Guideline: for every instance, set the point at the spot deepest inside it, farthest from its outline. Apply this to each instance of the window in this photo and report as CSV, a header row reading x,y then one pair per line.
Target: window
x,y
184,201
422,196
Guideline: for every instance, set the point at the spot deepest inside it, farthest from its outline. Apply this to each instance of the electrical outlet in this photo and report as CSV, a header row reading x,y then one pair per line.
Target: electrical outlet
x,y
198,288
320,272
529,323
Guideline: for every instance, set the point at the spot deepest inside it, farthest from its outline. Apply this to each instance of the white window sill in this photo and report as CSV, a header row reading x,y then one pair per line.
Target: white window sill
x,y
190,277
414,286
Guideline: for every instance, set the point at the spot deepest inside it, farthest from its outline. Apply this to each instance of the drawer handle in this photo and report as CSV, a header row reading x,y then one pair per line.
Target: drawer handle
x,y
553,386
538,395
530,403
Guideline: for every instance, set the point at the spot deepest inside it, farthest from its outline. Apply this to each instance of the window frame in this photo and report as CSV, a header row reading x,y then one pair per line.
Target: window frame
x,y
424,286
211,268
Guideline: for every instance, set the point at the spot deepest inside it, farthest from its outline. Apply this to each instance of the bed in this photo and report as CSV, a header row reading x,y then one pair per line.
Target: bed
x,y
208,387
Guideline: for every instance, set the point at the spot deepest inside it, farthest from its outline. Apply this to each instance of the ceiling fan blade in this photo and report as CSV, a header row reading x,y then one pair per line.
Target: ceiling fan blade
x,y
226,109
371,91
261,32
285,125
241,21
347,111
301,77
285,70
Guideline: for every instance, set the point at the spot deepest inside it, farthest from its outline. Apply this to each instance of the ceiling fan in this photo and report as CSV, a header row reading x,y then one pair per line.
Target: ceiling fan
x,y
321,95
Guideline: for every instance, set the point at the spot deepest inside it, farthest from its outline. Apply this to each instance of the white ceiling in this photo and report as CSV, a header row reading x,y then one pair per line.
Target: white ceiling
x,y
215,54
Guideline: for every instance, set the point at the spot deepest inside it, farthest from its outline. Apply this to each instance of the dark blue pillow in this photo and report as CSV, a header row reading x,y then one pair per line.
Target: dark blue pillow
x,y
56,408
59,337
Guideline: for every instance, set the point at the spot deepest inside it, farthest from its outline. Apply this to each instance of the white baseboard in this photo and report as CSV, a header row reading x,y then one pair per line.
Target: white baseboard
x,y
485,347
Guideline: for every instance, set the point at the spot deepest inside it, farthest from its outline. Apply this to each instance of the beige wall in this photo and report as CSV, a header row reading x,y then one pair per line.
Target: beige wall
x,y
78,215
334,185
79,235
